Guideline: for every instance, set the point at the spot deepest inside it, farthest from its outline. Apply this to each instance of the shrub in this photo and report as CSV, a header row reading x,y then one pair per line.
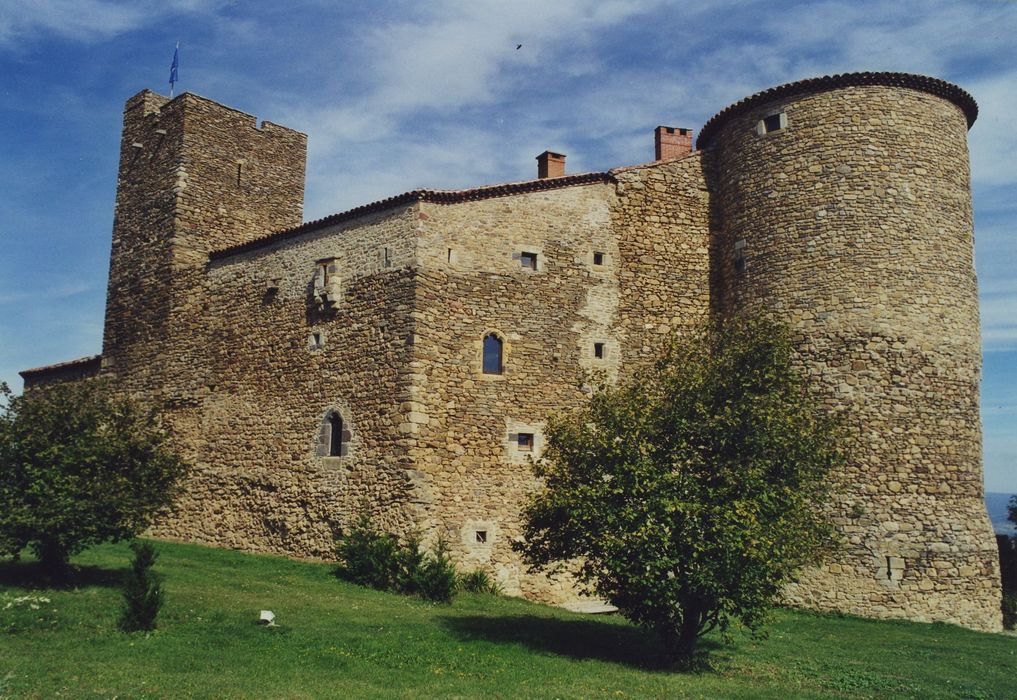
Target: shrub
x,y
477,581
1010,610
435,577
367,556
142,592
371,557
1008,575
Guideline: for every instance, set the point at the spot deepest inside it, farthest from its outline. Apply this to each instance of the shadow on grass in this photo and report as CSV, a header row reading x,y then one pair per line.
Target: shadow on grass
x,y
577,639
28,574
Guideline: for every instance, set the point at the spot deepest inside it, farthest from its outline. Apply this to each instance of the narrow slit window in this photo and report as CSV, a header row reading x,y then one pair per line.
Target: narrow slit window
x,y
598,351
525,442
240,170
528,260
450,255
335,435
388,257
493,347
598,258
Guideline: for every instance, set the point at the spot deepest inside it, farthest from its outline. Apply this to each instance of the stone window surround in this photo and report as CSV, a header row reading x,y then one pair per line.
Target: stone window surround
x,y
513,428
468,535
761,129
505,350
321,338
528,249
322,448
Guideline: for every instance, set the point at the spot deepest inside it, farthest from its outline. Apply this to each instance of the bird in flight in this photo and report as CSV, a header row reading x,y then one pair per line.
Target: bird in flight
x,y
518,46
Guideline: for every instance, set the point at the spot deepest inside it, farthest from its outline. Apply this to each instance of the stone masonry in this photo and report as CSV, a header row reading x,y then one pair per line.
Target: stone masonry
x,y
312,370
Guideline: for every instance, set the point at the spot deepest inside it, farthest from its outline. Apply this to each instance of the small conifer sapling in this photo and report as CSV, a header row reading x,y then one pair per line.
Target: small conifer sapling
x,y
143,595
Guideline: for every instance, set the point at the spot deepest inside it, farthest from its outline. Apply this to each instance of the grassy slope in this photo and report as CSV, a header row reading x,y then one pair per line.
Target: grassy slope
x,y
338,640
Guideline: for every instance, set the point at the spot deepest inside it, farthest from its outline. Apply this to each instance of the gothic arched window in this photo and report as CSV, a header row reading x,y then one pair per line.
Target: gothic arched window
x,y
493,346
334,437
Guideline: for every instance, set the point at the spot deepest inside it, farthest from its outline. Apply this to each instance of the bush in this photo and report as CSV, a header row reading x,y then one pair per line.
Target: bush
x,y
1008,575
435,577
368,557
142,592
478,581
1010,610
78,467
371,557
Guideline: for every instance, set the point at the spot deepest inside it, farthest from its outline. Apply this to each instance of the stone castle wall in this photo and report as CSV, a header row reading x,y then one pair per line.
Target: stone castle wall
x,y
471,283
276,365
853,223
851,220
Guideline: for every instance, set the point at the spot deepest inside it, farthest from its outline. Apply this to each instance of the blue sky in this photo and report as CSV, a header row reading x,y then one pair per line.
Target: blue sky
x,y
399,95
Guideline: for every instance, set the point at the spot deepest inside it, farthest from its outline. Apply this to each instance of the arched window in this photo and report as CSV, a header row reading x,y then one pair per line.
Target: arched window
x,y
492,354
334,436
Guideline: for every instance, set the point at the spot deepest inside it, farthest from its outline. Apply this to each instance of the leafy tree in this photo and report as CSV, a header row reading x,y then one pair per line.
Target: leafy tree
x,y
78,467
143,595
691,495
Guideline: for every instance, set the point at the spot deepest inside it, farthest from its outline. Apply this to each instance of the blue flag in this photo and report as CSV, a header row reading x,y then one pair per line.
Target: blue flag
x,y
173,68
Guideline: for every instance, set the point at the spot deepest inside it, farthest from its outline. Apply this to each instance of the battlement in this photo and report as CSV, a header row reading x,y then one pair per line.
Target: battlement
x,y
152,103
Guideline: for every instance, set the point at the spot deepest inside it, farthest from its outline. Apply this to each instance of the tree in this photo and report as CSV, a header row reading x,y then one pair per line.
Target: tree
x,y
78,467
691,495
142,591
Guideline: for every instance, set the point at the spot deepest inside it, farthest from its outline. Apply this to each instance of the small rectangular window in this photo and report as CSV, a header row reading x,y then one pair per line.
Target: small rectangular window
x,y
528,260
598,351
481,536
525,442
388,257
773,122
598,258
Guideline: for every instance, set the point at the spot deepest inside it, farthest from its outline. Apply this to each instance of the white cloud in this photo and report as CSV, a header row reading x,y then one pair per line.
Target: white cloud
x,y
89,21
463,52
992,142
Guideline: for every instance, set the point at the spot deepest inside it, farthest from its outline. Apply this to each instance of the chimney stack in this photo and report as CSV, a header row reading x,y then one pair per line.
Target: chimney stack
x,y
671,142
550,164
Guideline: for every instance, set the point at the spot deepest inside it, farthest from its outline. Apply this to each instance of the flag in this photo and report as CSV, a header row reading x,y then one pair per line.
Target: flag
x,y
173,68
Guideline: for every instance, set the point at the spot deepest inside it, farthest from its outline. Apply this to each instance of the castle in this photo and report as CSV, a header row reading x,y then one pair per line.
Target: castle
x,y
404,355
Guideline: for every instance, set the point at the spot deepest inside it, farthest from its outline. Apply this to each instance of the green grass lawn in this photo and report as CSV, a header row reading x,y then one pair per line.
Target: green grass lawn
x,y
337,640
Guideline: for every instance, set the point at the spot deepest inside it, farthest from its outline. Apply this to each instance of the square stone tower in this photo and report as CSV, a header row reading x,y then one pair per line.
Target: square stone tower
x,y
194,176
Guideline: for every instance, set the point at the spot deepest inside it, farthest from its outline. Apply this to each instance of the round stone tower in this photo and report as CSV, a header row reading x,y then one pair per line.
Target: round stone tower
x,y
842,205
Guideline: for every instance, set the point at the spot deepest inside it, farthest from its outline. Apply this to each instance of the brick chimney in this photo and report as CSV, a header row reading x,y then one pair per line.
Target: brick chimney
x,y
671,142
550,164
